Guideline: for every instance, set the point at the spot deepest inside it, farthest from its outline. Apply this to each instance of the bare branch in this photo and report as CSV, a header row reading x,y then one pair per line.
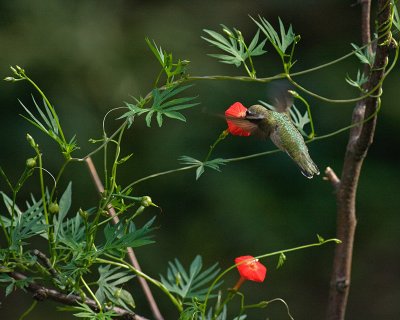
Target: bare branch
x,y
360,139
41,293
131,254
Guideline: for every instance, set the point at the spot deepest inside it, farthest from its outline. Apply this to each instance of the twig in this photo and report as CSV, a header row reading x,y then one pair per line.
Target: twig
x,y
331,176
41,293
360,139
45,262
131,255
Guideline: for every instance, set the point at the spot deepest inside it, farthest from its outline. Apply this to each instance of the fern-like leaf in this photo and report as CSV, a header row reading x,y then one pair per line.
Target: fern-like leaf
x,y
192,283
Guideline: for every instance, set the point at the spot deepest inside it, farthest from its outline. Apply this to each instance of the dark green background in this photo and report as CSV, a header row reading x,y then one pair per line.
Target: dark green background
x,y
90,56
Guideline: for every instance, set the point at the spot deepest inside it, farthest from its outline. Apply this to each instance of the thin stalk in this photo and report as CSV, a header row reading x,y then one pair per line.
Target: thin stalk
x,y
66,162
105,142
50,233
91,293
221,137
29,310
312,134
155,175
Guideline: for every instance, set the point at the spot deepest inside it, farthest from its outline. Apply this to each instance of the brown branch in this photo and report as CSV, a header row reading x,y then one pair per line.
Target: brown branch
x,y
45,262
41,293
131,255
331,176
360,139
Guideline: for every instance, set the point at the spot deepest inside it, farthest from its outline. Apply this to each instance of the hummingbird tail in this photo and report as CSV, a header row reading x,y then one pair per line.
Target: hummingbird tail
x,y
309,169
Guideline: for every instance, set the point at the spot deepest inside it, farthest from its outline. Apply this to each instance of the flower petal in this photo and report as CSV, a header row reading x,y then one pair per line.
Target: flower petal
x,y
236,110
250,268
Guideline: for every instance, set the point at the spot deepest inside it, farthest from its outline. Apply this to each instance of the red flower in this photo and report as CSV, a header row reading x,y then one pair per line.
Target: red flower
x,y
237,110
250,268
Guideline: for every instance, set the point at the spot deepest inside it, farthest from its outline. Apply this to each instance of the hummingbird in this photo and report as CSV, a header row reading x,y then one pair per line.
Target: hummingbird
x,y
278,126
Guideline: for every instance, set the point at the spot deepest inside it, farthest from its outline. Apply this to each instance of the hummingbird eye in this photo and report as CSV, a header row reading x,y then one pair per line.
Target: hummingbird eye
x,y
249,113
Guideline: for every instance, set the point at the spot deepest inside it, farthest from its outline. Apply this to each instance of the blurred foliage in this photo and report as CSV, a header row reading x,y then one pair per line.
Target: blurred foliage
x,y
92,56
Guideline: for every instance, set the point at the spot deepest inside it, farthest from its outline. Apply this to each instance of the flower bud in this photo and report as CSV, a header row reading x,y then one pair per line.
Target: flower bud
x,y
227,32
84,214
20,69
293,93
31,140
146,201
31,163
13,70
10,79
54,208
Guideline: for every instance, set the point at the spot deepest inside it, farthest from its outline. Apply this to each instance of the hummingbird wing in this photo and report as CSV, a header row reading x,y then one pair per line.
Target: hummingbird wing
x,y
243,124
281,99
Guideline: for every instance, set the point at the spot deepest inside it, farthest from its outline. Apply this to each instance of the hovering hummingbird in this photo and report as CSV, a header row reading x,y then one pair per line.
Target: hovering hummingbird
x,y
260,121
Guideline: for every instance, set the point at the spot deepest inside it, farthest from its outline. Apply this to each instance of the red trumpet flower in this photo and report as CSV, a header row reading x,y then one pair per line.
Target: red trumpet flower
x,y
238,111
249,269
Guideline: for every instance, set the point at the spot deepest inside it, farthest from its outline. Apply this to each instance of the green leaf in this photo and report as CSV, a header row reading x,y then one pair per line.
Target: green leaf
x,y
71,233
49,123
169,66
118,237
84,311
192,283
396,19
13,283
361,79
213,164
175,115
282,260
365,55
163,105
109,287
26,224
234,46
320,239
199,171
280,43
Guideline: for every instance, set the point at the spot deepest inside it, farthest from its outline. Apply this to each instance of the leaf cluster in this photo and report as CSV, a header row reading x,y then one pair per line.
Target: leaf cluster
x,y
162,105
169,67
192,283
213,164
76,249
237,52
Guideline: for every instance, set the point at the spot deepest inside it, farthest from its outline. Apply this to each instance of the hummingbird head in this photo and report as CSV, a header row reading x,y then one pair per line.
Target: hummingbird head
x,y
256,112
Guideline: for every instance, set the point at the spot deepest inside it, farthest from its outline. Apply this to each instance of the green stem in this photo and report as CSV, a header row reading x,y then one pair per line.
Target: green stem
x,y
221,137
254,155
50,233
312,134
105,142
30,309
66,162
121,263
238,78
104,203
91,293
155,175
